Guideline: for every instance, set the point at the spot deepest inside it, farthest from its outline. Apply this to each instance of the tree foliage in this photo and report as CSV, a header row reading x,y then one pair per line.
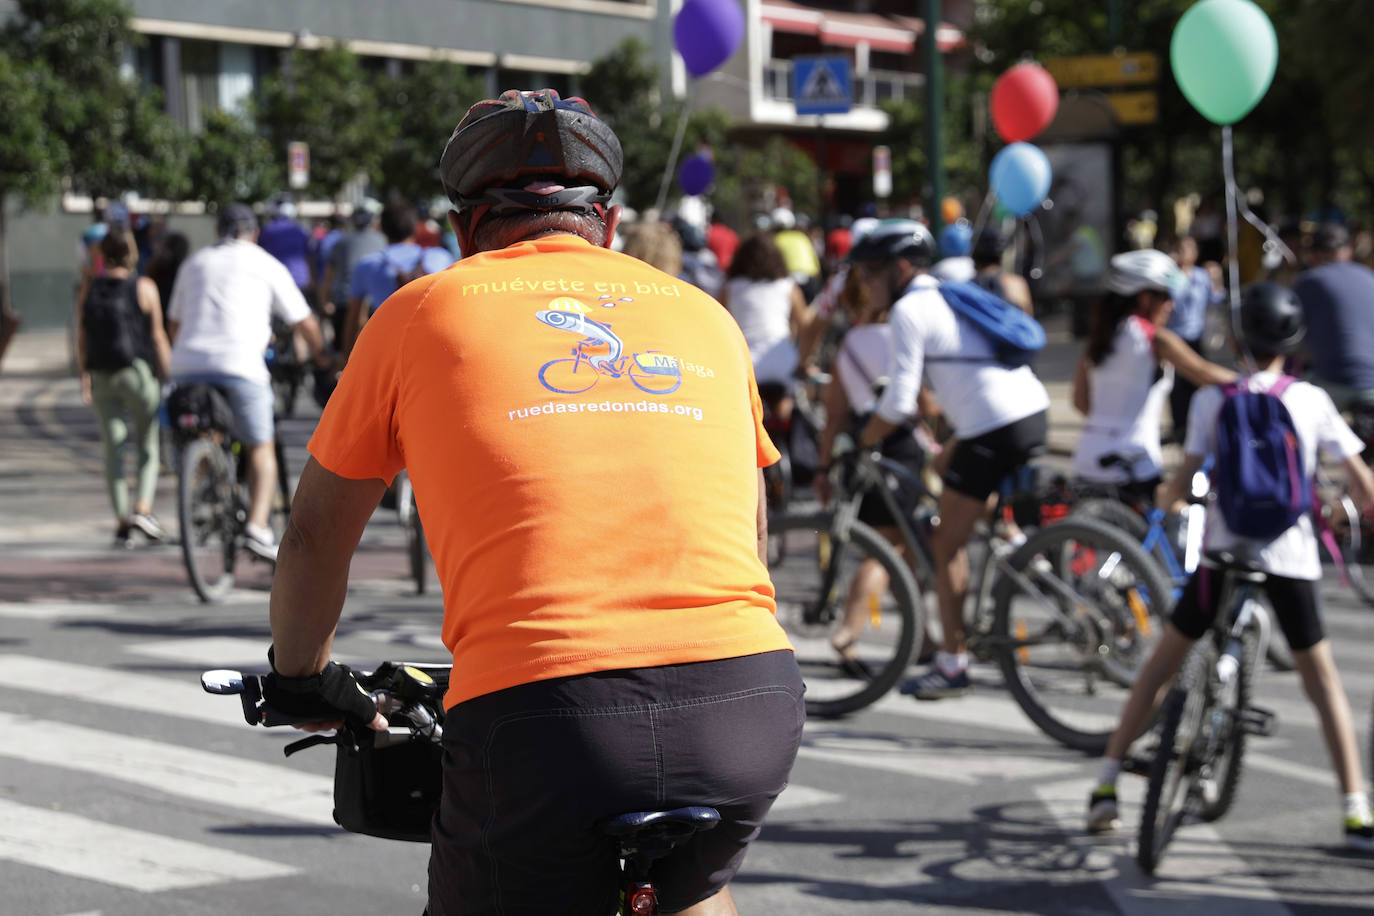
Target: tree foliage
x,y
326,98
32,155
230,161
114,133
423,105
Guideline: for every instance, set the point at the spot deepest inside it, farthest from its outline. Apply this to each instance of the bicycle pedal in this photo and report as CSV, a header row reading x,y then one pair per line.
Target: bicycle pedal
x,y
1259,721
1138,766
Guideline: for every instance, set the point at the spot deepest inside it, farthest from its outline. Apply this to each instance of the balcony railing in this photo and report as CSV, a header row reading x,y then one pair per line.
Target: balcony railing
x,y
871,88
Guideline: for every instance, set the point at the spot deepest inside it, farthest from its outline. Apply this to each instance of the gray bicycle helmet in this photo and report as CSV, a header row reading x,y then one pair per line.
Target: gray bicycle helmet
x,y
896,238
503,147
1133,272
1271,319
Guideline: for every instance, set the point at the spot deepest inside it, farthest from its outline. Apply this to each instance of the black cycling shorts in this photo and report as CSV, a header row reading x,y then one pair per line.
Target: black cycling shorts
x,y
1294,602
979,465
530,771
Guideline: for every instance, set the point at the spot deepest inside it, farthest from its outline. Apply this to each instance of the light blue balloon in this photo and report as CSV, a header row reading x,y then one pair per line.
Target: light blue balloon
x,y
1020,177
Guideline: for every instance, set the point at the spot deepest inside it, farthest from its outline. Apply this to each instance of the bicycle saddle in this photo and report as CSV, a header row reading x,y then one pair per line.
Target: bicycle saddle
x,y
674,825
1246,566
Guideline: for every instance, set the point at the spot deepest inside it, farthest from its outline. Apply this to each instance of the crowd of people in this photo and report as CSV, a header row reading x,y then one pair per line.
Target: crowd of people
x,y
671,631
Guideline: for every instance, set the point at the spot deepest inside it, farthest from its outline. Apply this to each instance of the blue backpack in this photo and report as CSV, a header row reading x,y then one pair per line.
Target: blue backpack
x,y
1262,487
1015,336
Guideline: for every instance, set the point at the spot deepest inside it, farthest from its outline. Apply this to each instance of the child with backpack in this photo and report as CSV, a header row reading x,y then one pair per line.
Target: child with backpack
x,y
1265,431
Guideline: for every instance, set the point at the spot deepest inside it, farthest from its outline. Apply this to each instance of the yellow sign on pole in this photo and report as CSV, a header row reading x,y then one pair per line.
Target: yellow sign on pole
x,y
1095,71
1135,107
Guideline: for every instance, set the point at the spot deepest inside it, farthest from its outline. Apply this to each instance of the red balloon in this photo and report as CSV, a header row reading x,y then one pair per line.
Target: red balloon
x,y
1024,100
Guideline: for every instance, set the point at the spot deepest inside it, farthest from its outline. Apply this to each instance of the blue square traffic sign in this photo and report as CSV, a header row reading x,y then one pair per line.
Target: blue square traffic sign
x,y
821,85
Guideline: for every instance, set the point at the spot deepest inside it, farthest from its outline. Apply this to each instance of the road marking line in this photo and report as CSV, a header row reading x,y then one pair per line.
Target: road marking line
x,y
910,758
122,856
1317,776
1198,869
213,778
795,797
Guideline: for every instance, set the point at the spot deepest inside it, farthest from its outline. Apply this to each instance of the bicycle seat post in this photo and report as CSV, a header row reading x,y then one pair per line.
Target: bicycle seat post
x,y
647,836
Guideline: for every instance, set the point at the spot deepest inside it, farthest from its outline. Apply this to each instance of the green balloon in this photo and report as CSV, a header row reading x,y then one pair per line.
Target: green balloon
x,y
1224,53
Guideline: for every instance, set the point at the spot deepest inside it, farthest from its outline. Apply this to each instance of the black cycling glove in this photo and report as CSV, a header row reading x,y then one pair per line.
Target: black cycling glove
x,y
331,695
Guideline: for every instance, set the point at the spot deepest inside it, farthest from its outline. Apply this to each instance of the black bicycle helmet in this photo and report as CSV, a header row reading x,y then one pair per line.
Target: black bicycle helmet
x,y
896,238
1271,319
502,145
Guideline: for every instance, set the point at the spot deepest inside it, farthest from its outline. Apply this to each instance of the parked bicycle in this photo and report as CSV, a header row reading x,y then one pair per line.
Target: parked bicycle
x,y
1068,615
212,488
387,784
1205,718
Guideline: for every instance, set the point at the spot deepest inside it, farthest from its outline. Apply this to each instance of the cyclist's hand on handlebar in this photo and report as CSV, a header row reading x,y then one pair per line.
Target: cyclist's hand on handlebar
x,y
322,701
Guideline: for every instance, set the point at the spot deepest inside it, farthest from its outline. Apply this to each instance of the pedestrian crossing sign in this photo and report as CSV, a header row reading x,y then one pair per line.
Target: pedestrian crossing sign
x,y
821,85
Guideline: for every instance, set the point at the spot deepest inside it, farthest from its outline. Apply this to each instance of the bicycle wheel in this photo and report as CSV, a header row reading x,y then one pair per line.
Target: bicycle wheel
x,y
822,576
1225,734
1078,608
1354,536
1120,515
1173,772
206,511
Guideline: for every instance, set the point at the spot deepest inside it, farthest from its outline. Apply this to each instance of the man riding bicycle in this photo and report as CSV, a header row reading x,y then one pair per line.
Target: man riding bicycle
x,y
220,322
606,602
999,415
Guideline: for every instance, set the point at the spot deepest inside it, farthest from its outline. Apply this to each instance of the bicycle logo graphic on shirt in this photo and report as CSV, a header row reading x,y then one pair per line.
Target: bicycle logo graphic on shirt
x,y
599,353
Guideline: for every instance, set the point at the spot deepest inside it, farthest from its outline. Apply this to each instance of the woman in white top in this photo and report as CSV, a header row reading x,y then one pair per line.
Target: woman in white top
x,y
769,307
1127,369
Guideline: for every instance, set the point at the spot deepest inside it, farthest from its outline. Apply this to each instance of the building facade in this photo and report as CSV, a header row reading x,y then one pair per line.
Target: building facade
x,y
208,54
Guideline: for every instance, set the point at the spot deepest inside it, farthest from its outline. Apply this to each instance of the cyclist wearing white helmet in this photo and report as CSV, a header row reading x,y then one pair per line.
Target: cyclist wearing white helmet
x,y
999,415
1127,369
542,388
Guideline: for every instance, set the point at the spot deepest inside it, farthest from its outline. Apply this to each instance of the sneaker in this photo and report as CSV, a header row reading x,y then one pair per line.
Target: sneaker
x,y
936,685
148,524
260,542
1359,835
1103,816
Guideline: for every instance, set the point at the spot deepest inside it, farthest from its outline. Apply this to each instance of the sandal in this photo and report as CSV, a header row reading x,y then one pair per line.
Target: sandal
x,y
852,665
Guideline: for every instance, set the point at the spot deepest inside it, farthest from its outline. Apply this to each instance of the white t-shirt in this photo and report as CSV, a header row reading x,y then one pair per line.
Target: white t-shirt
x,y
861,361
976,392
1128,391
1320,429
763,311
223,301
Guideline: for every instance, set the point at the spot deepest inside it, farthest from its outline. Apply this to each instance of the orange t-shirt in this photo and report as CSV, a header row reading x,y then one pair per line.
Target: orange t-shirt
x,y
583,433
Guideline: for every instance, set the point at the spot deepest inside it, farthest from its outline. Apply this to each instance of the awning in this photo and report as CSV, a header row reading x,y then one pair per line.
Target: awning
x,y
840,29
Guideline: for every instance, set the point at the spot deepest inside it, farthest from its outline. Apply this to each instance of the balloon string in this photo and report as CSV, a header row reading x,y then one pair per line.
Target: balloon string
x,y
1036,270
672,155
1228,172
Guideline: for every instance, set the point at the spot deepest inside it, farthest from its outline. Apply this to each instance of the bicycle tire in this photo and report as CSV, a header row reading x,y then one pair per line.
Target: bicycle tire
x,y
206,513
1056,680
1356,539
1172,771
1120,515
812,583
1225,763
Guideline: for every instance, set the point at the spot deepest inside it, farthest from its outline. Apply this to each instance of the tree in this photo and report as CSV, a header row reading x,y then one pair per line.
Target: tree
x,y
423,105
115,134
230,161
326,99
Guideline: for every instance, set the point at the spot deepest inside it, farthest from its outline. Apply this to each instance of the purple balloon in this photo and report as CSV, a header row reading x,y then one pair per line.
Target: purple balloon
x,y
707,32
696,174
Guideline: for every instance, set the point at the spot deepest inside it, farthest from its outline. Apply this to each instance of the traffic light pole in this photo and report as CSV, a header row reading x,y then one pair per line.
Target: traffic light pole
x,y
935,115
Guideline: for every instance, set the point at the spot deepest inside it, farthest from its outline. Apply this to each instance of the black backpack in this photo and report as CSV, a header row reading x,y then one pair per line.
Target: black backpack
x,y
113,323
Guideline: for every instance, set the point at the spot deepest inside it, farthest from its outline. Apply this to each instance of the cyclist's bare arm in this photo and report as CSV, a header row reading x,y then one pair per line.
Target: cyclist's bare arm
x,y
328,515
1172,349
309,329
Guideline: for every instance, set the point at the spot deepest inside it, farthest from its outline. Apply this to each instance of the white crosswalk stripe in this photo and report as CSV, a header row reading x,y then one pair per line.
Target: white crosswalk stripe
x,y
122,856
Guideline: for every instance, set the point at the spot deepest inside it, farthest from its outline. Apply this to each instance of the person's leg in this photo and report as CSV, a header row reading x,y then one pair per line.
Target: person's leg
x,y
958,514
1321,682
144,400
253,404
114,433
262,480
